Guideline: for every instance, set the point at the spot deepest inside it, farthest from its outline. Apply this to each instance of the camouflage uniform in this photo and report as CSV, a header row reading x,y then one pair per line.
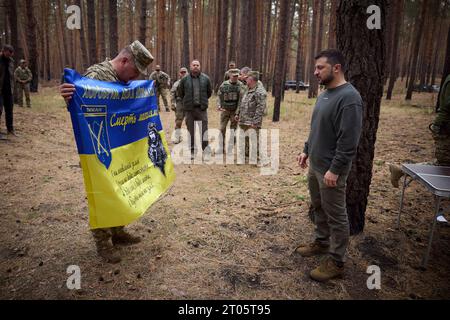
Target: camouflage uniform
x,y
229,97
162,81
251,111
23,74
104,71
177,105
441,126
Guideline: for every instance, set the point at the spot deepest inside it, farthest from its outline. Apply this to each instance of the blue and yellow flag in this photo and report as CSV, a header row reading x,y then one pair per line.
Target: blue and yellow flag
x,y
123,150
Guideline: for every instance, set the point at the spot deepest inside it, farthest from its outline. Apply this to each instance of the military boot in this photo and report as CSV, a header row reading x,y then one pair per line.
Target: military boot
x,y
328,269
396,174
106,250
120,236
312,249
177,139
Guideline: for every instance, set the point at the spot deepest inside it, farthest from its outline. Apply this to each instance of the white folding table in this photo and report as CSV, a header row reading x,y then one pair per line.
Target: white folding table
x,y
436,179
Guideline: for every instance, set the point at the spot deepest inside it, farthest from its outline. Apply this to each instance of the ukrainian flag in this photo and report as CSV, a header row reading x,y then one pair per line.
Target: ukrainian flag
x,y
123,151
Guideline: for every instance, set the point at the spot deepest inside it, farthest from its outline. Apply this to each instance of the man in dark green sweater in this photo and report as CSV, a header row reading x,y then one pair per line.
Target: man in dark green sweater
x,y
331,146
195,89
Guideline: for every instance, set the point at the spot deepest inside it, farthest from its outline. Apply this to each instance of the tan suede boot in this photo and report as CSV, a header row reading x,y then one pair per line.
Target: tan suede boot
x,y
312,249
106,250
396,174
328,269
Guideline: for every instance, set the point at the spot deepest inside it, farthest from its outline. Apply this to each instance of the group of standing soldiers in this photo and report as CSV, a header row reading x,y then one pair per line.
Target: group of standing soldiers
x,y
241,100
11,80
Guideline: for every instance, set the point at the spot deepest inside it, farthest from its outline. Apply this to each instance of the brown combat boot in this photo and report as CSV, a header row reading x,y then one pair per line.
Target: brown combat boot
x,y
312,249
396,174
106,250
120,236
328,269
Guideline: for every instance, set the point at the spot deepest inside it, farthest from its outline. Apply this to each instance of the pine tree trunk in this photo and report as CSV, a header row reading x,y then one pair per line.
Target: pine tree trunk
x,y
234,30
283,25
415,52
267,35
15,38
313,85
320,28
113,30
84,53
161,36
243,55
332,27
32,43
433,37
398,9
143,22
92,36
299,63
185,59
364,50
101,31
48,74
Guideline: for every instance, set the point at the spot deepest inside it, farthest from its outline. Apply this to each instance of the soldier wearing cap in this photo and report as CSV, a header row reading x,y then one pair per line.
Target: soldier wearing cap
x,y
177,105
252,108
23,77
231,66
229,97
162,81
129,64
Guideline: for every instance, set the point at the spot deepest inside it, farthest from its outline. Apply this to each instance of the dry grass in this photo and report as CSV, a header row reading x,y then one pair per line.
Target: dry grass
x,y
222,231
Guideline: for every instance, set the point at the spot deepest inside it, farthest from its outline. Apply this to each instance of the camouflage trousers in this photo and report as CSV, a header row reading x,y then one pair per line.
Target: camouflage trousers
x,y
165,94
225,117
104,234
249,152
179,116
442,149
21,88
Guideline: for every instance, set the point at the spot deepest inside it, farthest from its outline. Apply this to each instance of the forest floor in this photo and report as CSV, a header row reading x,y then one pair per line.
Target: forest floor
x,y
222,231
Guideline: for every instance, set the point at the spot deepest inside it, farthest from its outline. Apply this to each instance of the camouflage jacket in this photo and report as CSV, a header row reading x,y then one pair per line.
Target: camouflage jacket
x,y
443,114
162,79
253,107
3,73
229,95
103,71
23,74
174,98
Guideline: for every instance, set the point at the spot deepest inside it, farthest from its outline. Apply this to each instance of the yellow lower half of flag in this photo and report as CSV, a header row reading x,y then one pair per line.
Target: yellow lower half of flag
x,y
122,193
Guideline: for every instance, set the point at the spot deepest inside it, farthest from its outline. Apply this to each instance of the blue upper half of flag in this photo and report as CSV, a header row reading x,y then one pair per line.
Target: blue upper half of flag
x,y
107,115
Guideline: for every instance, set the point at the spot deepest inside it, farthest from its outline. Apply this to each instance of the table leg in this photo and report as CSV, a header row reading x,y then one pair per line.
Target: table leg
x,y
433,225
401,201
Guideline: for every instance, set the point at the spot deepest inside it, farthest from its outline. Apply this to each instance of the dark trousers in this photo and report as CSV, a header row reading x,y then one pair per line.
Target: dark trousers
x,y
197,114
6,99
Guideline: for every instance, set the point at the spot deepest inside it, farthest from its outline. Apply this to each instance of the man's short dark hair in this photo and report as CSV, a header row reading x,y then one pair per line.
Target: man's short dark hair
x,y
333,57
8,47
